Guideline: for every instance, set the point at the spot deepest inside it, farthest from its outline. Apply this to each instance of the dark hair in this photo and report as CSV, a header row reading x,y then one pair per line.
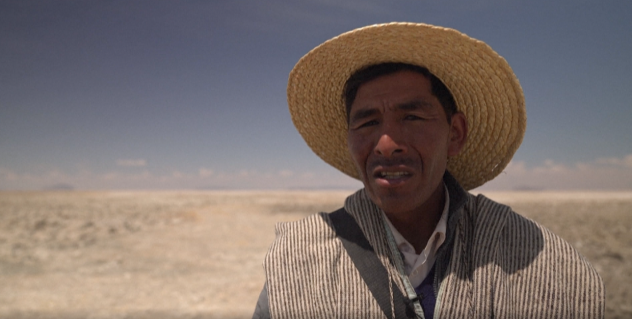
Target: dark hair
x,y
372,72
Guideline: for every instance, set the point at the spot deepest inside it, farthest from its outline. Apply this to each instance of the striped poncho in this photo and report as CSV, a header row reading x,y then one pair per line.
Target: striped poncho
x,y
493,264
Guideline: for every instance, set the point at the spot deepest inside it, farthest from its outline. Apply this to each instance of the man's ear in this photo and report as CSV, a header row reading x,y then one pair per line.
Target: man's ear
x,y
458,134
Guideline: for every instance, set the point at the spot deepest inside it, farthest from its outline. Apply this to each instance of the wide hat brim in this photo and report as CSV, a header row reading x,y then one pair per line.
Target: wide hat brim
x,y
483,85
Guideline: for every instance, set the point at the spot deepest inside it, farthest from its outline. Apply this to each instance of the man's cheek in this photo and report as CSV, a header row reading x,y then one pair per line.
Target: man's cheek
x,y
359,164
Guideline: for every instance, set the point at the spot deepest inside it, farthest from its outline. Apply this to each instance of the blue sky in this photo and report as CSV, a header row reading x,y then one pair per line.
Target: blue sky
x,y
191,94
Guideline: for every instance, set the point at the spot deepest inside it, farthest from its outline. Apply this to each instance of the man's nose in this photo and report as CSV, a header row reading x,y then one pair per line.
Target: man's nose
x,y
388,146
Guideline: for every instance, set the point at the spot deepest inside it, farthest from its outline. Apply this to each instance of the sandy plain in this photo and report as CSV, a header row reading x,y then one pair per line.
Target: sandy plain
x,y
198,254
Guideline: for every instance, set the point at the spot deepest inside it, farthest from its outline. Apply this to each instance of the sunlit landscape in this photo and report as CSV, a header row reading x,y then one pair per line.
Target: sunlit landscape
x,y
199,254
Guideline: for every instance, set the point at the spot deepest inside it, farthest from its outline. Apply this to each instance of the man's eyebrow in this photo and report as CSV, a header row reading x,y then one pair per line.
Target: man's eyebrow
x,y
414,105
361,114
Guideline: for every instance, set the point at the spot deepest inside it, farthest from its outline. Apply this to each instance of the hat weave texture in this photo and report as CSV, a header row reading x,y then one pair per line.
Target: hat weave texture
x,y
483,85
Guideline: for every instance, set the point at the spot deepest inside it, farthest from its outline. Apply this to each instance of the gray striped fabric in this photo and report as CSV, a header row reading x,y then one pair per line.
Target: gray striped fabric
x,y
499,265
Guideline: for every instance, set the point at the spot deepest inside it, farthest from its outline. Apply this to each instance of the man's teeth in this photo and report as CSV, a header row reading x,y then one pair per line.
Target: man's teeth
x,y
388,175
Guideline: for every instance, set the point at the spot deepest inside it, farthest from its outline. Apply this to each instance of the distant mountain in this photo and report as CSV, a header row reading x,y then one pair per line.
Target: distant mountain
x,y
526,188
60,187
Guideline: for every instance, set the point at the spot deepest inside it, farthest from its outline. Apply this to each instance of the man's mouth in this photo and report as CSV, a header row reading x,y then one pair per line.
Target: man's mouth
x,y
392,172
392,175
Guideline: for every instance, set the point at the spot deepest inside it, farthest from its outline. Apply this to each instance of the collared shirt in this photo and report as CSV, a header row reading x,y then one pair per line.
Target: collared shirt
x,y
417,266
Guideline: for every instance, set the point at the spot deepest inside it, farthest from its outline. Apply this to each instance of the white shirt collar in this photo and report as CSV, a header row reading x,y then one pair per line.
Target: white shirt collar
x,y
416,266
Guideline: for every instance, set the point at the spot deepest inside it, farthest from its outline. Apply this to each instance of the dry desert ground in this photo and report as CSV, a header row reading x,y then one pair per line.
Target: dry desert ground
x,y
198,254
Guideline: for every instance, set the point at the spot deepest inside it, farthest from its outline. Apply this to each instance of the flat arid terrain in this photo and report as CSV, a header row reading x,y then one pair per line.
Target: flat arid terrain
x,y
198,254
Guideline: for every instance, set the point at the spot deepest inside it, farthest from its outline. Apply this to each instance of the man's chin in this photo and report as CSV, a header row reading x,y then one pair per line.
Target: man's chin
x,y
393,209
393,203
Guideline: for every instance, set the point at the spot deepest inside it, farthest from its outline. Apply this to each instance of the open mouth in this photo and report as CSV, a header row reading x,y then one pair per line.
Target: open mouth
x,y
392,175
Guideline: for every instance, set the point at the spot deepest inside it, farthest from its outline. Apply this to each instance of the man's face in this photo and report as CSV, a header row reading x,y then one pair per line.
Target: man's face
x,y
400,140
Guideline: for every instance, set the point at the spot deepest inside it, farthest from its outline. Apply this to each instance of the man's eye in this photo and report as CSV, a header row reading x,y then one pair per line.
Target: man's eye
x,y
412,117
369,123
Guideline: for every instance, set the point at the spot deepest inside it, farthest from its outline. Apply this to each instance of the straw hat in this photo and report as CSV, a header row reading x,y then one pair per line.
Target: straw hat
x,y
483,85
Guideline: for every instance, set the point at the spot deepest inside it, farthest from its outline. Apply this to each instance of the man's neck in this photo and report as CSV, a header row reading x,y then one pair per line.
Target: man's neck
x,y
417,226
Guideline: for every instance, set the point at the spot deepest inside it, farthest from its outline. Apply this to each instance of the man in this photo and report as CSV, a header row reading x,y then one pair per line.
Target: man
x,y
419,114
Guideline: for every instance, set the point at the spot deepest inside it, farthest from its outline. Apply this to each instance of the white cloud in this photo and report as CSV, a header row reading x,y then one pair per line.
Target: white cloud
x,y
8,175
249,173
550,167
84,179
286,173
601,174
131,162
205,172
307,175
611,173
624,162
